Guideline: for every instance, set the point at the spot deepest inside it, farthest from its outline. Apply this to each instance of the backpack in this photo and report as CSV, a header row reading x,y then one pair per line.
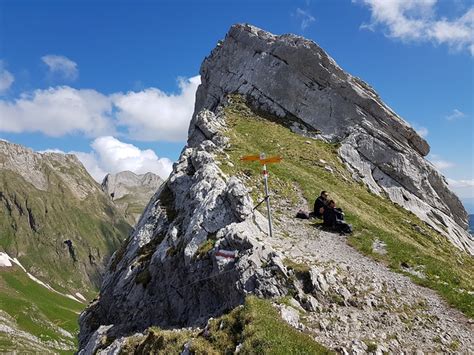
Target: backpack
x,y
302,214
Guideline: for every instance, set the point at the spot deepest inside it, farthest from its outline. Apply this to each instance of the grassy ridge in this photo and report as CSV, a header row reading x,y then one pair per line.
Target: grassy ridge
x,y
410,242
33,227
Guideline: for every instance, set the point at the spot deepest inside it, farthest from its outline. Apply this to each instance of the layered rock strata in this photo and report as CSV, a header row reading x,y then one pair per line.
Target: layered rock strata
x,y
131,192
199,248
293,78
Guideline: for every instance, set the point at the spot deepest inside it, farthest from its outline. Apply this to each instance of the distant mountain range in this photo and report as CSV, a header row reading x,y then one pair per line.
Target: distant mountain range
x,y
131,192
58,228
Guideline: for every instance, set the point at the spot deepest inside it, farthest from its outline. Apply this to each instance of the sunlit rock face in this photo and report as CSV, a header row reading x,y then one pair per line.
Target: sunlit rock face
x,y
174,270
293,78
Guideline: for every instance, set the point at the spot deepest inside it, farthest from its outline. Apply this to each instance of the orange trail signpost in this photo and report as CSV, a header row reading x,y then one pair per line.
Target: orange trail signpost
x,y
264,161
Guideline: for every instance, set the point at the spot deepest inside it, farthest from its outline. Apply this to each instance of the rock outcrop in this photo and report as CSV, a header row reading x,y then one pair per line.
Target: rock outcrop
x,y
195,252
293,78
200,246
131,192
34,167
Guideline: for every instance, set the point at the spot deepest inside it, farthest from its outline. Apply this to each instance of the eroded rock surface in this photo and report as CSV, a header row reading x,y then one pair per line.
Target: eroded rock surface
x,y
293,78
199,248
195,252
34,167
131,192
355,305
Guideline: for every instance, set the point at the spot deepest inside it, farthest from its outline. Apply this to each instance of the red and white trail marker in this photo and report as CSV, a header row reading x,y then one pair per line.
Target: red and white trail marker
x,y
226,254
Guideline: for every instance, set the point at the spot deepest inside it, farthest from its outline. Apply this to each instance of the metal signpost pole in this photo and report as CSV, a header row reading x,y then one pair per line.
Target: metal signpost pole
x,y
267,196
264,161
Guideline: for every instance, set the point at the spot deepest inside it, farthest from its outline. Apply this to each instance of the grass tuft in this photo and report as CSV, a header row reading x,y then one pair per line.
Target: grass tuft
x,y
256,327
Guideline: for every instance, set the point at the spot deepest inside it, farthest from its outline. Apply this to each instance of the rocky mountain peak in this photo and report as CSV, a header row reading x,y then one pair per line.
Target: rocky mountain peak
x,y
34,167
293,78
131,192
201,247
124,182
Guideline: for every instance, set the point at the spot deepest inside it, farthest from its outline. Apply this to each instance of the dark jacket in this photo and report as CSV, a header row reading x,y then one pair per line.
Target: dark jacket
x,y
320,202
329,217
334,218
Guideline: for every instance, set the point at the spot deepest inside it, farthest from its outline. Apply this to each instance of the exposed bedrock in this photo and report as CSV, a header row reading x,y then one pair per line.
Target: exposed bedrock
x,y
290,76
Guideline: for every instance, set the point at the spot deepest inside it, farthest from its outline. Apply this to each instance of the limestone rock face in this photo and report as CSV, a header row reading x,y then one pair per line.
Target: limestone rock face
x,y
127,182
200,247
196,251
293,78
131,192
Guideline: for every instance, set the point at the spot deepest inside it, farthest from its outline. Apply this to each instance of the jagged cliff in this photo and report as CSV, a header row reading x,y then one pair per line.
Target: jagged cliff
x,y
293,78
200,247
131,192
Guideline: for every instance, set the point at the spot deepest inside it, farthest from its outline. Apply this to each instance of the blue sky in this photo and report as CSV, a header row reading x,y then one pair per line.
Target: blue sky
x,y
75,73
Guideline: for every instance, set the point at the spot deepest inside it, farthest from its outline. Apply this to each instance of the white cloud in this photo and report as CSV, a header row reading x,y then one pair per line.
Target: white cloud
x,y
305,17
440,163
92,165
6,78
62,66
416,20
152,114
54,150
110,155
455,115
146,115
58,111
461,183
463,188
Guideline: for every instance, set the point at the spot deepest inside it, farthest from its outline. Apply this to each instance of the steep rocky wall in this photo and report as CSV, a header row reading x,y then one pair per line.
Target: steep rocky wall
x,y
130,192
291,77
170,272
126,182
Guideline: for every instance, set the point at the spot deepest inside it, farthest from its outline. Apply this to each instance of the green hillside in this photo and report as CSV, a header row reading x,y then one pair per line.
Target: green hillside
x,y
35,224
410,243
56,221
44,321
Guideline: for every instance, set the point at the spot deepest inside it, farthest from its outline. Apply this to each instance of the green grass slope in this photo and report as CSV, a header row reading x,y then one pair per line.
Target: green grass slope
x,y
133,205
410,243
42,320
34,225
256,326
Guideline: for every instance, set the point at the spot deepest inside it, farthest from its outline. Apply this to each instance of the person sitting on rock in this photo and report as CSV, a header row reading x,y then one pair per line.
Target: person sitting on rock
x,y
320,203
334,218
